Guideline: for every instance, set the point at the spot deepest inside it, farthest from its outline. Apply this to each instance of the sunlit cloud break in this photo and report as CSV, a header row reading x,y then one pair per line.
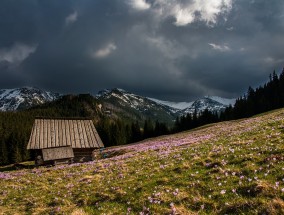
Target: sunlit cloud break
x,y
189,11
140,4
105,51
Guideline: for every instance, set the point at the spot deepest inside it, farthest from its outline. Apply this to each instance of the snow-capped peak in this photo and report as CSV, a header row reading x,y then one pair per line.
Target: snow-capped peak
x,y
213,104
106,92
102,93
124,98
25,97
205,102
120,90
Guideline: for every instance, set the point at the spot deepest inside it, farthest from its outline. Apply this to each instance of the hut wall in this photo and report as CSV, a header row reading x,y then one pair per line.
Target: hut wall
x,y
57,153
83,154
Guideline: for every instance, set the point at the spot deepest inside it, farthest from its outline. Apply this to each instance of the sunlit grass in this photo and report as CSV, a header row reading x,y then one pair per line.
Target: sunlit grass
x,y
231,167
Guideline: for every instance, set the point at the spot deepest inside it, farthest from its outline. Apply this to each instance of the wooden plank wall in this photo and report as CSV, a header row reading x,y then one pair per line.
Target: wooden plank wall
x,y
57,153
83,154
52,133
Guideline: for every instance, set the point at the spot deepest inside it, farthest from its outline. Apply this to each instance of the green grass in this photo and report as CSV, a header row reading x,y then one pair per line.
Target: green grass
x,y
226,168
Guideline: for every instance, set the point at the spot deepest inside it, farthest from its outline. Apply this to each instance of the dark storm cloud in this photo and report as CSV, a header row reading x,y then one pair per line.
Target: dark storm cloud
x,y
148,47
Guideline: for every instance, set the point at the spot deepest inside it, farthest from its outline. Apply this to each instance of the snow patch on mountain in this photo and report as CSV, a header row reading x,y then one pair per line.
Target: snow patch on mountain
x,y
212,103
176,105
205,103
23,98
124,98
223,101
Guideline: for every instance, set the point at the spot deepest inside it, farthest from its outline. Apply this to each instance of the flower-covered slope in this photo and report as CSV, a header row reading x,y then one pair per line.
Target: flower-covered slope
x,y
230,167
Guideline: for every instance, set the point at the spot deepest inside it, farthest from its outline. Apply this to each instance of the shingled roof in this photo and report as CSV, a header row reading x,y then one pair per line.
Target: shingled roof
x,y
52,133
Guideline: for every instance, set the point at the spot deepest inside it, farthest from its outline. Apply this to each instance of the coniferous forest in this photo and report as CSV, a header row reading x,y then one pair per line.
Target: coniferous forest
x,y
259,100
15,127
268,97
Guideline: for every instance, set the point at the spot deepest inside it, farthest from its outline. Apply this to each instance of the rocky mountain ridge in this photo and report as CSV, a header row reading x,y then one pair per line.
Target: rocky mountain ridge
x,y
117,102
23,98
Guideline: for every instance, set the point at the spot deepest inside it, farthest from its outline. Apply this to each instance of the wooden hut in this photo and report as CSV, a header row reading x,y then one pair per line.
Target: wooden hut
x,y
64,140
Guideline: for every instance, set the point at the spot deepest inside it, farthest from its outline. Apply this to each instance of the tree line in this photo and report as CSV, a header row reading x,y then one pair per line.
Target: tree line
x,y
268,97
264,98
114,133
15,127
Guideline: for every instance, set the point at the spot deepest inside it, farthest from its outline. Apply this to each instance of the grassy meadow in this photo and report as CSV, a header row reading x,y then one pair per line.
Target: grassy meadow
x,y
234,167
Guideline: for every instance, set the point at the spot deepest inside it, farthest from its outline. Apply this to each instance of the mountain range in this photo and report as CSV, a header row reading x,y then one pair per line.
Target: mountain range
x,y
116,102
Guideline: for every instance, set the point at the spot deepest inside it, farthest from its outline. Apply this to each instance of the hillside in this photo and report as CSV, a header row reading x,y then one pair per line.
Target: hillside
x,y
229,167
122,104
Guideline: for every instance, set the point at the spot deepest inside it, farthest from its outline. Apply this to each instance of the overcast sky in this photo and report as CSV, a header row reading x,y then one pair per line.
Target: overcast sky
x,y
169,49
